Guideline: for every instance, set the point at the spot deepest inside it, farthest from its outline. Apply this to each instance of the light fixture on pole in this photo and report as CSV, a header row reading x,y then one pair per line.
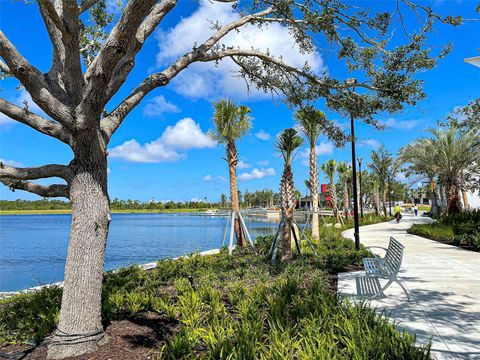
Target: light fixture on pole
x,y
360,190
352,82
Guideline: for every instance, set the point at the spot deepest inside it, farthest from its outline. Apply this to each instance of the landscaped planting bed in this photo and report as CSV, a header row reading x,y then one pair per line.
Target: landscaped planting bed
x,y
221,307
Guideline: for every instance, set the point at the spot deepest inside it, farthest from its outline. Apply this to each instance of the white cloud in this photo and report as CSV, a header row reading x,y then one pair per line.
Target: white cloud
x,y
207,178
262,135
257,174
159,105
324,148
373,143
263,162
184,135
401,124
243,165
197,199
11,163
202,80
222,178
109,171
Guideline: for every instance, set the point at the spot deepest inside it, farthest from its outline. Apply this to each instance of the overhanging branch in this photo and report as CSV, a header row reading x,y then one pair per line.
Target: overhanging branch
x,y
33,173
55,190
34,121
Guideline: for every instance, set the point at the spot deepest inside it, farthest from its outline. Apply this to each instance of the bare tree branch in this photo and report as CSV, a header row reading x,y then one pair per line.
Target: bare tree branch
x,y
47,8
34,81
121,41
32,173
35,121
126,64
86,4
55,190
112,122
4,68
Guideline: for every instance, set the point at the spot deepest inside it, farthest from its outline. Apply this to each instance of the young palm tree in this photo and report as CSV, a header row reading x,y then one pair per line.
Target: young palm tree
x,y
287,142
329,169
310,122
381,166
231,123
420,158
343,170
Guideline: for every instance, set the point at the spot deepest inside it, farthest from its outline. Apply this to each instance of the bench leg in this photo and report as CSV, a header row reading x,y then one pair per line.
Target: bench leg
x,y
403,288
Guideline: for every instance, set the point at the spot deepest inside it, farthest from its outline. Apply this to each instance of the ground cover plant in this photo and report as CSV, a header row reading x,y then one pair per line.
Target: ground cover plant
x,y
460,229
240,307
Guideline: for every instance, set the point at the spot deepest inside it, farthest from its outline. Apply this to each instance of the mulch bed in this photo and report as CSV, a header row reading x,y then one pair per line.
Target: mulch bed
x,y
136,338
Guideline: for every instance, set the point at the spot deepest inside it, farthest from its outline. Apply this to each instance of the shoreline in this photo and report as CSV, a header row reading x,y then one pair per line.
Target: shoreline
x,y
146,266
116,211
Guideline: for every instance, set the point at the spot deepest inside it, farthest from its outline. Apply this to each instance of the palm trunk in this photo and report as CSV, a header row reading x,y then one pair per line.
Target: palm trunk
x,y
333,200
442,197
345,200
384,202
453,199
433,198
80,328
466,204
376,201
287,189
232,169
314,191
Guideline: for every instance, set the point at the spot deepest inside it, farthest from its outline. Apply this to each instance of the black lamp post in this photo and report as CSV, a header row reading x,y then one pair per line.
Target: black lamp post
x,y
360,190
351,82
389,196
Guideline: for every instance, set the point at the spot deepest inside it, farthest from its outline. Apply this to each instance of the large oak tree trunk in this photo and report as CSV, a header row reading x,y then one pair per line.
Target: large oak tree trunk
x,y
80,326
232,169
314,191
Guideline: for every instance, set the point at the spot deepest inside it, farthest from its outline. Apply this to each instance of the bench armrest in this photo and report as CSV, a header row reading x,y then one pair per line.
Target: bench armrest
x,y
376,247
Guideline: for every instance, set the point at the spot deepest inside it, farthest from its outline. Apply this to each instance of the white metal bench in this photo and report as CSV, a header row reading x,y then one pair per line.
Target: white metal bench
x,y
386,267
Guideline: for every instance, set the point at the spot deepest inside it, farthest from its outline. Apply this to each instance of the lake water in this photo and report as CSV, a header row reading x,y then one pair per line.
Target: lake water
x,y
33,248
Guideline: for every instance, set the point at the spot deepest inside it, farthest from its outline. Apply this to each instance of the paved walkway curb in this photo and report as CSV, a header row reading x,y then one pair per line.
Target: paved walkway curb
x,y
443,281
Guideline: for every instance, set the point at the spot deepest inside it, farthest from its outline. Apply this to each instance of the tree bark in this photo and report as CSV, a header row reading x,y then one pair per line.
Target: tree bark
x,y
345,200
376,201
453,199
333,199
80,326
287,189
232,169
384,202
466,204
314,191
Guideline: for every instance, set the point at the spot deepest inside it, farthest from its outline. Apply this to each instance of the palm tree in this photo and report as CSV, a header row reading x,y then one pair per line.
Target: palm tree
x,y
343,170
420,158
231,123
457,154
381,165
329,169
287,142
310,122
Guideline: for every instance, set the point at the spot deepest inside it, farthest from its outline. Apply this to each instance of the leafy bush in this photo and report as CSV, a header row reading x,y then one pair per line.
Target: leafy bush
x,y
462,229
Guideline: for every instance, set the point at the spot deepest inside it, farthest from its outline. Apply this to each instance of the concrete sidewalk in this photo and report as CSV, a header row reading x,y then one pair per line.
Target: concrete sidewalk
x,y
444,284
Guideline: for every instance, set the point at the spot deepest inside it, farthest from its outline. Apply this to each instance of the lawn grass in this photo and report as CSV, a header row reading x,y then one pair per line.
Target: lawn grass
x,y
240,307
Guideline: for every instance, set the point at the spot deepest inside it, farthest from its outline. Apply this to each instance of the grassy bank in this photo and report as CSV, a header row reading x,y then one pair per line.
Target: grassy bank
x,y
219,307
461,230
114,211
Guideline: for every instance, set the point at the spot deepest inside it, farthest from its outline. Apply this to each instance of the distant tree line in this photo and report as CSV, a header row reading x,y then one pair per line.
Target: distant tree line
x,y
116,204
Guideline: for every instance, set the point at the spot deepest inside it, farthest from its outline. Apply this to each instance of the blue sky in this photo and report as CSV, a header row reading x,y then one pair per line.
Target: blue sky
x,y
162,150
